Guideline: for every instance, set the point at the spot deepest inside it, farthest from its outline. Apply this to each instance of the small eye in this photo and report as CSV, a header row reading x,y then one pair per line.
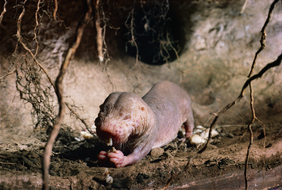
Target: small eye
x,y
127,117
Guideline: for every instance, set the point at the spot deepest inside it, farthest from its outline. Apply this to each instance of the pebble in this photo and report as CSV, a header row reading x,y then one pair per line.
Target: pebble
x,y
196,140
200,127
156,152
205,134
230,135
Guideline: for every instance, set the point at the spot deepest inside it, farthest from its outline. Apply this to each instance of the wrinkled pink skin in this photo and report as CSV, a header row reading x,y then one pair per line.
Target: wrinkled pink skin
x,y
117,157
137,125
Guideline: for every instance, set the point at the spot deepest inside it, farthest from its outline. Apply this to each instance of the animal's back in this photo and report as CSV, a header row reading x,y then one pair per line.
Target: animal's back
x,y
172,107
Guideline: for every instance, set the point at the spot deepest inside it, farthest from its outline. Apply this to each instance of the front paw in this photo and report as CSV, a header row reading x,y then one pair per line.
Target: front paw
x,y
103,158
117,157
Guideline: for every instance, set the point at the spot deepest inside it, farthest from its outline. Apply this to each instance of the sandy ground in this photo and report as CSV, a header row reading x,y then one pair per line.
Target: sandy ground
x,y
176,165
219,43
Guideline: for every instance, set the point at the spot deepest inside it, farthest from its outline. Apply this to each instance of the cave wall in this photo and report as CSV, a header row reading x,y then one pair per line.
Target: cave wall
x,y
218,45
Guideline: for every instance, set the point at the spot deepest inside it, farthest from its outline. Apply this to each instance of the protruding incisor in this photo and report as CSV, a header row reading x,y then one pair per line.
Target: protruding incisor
x,y
109,142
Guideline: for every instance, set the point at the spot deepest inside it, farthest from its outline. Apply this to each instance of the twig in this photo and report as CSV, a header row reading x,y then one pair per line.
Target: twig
x,y
169,43
105,48
7,163
251,134
263,36
4,11
99,33
262,71
59,93
262,42
29,51
275,63
102,48
25,47
32,97
244,6
82,120
2,77
248,82
55,10
131,27
36,26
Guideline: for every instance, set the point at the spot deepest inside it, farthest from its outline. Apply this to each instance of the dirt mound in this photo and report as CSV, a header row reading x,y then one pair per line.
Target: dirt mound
x,y
207,47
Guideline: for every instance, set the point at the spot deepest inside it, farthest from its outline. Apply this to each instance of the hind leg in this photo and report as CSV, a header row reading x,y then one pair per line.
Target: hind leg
x,y
188,126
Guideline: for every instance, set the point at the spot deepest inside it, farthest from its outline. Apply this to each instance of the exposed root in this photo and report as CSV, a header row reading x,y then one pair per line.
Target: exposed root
x,y
99,33
4,11
9,73
263,36
251,134
55,10
103,55
130,27
244,6
77,116
20,40
59,93
35,94
241,95
36,27
276,63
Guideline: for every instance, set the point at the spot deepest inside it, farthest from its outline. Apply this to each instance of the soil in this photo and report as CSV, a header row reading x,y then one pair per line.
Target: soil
x,y
219,39
179,166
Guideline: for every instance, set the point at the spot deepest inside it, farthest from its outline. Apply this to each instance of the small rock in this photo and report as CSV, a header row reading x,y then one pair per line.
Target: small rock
x,y
219,130
210,163
168,155
205,134
222,134
109,179
196,139
172,146
230,135
200,127
23,147
156,152
200,43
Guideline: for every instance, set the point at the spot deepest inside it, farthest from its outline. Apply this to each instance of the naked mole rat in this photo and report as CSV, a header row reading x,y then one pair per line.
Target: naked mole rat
x,y
135,125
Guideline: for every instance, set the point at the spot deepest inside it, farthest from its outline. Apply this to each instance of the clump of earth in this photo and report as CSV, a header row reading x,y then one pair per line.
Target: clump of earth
x,y
217,44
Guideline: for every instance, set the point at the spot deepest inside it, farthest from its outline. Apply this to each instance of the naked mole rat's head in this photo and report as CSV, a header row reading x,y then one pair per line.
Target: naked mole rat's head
x,y
120,117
